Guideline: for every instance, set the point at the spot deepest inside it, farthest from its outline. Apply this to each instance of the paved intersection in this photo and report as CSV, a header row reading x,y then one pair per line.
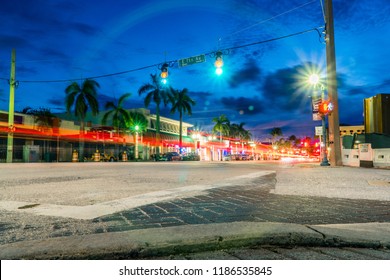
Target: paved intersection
x,y
253,203
34,205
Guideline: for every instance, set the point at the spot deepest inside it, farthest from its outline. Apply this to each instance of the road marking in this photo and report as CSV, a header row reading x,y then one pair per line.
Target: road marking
x,y
109,207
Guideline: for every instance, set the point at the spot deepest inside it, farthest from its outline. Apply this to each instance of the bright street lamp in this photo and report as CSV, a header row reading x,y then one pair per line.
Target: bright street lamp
x,y
314,79
136,128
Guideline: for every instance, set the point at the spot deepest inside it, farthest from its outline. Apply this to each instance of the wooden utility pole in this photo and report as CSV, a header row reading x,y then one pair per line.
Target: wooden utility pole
x,y
11,109
333,119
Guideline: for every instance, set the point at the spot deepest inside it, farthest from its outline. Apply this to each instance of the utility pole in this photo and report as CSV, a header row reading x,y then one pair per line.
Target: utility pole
x,y
333,119
11,128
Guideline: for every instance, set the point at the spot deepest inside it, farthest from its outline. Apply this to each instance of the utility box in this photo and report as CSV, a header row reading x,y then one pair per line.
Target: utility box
x,y
31,153
366,155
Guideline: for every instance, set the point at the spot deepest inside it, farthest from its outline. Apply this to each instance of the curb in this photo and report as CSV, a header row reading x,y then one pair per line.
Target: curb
x,y
160,242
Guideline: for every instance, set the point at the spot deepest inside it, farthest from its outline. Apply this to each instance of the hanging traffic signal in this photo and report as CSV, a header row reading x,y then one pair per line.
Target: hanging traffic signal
x,y
325,107
164,73
218,63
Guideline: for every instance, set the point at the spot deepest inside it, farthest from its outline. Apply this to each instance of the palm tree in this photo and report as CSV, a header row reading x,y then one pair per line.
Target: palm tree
x,y
182,103
245,135
275,132
27,110
44,119
137,124
154,92
81,98
222,125
120,117
46,122
238,131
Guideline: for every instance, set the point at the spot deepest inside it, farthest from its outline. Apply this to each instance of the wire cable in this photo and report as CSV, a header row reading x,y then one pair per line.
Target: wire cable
x,y
269,19
170,62
323,11
273,39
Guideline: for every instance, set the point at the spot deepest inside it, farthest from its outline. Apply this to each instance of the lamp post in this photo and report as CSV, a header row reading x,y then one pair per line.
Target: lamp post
x,y
136,142
333,120
314,79
196,138
11,128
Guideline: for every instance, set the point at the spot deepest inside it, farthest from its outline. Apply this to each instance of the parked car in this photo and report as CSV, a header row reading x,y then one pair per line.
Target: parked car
x,y
173,156
107,157
191,156
227,158
170,156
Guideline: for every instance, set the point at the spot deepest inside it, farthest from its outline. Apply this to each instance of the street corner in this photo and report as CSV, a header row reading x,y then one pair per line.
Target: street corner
x,y
374,235
163,241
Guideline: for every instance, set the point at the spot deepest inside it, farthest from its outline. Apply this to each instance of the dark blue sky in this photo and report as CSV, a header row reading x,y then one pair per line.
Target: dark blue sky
x,y
261,85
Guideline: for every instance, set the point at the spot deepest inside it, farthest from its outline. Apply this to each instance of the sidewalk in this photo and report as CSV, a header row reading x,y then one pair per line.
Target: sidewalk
x,y
302,181
198,238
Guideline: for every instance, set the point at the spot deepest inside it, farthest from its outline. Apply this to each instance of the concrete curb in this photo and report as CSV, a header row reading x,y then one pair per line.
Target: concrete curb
x,y
197,238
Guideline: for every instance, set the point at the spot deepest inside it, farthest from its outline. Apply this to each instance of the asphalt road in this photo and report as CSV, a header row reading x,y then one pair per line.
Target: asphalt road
x,y
40,201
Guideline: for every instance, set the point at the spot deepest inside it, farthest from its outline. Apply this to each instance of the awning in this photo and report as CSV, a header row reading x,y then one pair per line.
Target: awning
x,y
167,138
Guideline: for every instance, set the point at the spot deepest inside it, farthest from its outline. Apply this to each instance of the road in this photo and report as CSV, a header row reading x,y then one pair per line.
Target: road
x,y
40,201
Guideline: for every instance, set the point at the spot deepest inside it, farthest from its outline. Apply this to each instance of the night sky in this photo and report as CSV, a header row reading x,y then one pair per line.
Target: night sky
x,y
262,85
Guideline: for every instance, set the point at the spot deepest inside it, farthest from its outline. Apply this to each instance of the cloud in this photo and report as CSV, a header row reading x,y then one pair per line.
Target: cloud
x,y
83,28
250,73
282,90
53,53
243,105
11,41
56,102
364,14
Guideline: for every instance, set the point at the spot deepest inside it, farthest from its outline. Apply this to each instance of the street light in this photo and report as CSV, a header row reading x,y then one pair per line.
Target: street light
x,y
136,128
314,79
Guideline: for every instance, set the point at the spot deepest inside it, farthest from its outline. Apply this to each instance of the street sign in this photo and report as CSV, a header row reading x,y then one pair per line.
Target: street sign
x,y
192,60
315,104
318,130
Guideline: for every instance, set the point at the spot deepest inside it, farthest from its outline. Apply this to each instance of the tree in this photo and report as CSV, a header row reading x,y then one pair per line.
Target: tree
x,y
81,98
46,122
154,92
27,110
238,131
44,119
120,117
182,103
221,126
137,124
276,132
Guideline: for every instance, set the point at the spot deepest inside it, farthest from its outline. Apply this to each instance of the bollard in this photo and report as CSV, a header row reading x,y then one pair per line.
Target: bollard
x,y
124,156
75,156
96,156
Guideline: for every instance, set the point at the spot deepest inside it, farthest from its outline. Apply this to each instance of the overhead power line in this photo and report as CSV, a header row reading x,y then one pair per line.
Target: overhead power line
x,y
170,62
269,19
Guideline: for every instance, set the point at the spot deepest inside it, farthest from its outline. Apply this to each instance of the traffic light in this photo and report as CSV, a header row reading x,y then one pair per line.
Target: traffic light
x,y
325,107
164,73
218,63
